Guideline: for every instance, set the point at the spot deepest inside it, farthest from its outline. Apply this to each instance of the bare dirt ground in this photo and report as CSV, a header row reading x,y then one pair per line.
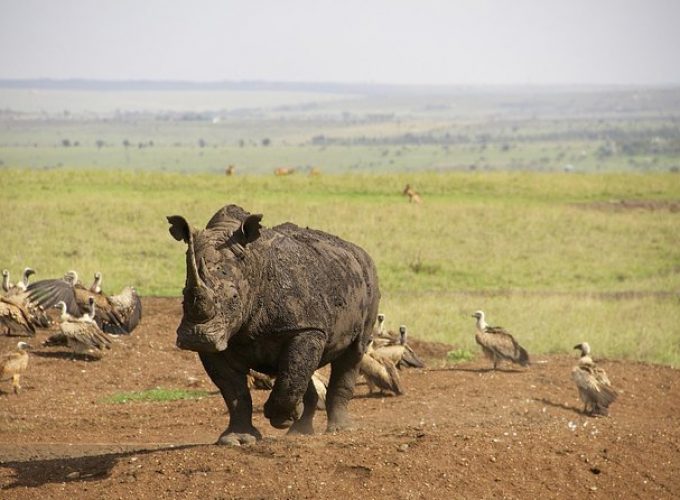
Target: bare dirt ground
x,y
459,432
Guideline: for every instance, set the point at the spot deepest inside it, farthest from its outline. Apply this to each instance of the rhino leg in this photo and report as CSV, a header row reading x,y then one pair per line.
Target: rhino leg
x,y
297,362
234,389
344,371
305,424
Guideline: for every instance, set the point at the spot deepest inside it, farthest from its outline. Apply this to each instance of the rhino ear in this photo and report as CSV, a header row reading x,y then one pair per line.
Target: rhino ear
x,y
179,228
250,228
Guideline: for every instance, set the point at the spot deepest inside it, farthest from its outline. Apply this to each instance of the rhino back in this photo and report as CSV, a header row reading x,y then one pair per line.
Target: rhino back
x,y
314,280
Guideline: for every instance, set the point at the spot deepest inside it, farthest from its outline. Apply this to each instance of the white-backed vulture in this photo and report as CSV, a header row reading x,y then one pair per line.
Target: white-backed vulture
x,y
259,381
264,382
497,343
380,374
15,318
380,336
593,385
116,314
81,334
7,285
320,385
13,364
14,288
399,352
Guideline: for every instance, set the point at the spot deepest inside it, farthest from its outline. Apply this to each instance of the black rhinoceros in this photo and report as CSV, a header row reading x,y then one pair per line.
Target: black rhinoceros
x,y
282,301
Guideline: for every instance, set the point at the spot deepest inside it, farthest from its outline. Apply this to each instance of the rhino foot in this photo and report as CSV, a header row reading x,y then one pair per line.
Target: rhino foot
x,y
302,427
344,425
230,438
279,419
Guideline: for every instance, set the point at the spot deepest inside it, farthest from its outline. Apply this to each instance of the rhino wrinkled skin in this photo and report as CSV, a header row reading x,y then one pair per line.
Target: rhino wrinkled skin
x,y
283,301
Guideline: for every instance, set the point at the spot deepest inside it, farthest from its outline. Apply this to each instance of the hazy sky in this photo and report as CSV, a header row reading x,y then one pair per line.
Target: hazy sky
x,y
362,41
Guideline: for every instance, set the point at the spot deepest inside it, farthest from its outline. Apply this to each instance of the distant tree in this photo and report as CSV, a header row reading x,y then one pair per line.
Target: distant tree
x,y
100,143
201,143
266,141
241,143
66,143
126,143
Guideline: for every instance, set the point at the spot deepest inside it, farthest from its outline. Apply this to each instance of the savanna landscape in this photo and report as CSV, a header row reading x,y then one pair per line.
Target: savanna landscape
x,y
553,210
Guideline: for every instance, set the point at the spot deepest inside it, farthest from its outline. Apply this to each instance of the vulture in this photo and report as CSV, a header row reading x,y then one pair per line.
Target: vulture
x,y
13,364
399,352
264,382
15,288
380,336
320,384
6,284
116,314
81,334
259,381
15,318
593,385
380,373
497,343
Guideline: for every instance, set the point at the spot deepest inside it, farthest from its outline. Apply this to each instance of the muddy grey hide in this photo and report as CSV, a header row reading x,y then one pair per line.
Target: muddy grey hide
x,y
283,301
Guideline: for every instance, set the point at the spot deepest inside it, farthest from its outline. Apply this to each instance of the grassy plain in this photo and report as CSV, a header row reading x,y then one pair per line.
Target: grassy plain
x,y
553,257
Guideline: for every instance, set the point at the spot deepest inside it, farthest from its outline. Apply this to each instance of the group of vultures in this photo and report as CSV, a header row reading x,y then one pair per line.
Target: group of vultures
x,y
88,319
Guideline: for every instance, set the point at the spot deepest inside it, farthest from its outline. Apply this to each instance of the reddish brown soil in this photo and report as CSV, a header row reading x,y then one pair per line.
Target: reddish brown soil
x,y
459,432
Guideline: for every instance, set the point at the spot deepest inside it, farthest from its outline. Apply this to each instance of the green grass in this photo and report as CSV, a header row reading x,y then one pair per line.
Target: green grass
x,y
530,249
157,395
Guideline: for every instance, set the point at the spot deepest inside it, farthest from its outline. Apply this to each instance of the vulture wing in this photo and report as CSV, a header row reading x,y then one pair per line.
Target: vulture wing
x,y
501,343
15,318
46,294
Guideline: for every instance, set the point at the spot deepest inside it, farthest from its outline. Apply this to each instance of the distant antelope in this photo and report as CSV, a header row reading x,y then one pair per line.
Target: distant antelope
x,y
230,170
284,171
413,196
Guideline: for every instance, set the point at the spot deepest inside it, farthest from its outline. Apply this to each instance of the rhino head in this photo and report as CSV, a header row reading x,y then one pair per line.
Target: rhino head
x,y
217,287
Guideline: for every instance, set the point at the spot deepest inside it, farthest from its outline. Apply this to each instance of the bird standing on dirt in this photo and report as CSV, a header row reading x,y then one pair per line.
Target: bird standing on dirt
x,y
13,364
15,318
399,352
80,334
497,343
380,373
593,385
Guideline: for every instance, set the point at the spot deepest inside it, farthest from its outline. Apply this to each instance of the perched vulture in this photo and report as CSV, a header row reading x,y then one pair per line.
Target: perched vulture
x,y
497,343
264,382
6,284
380,373
259,381
15,318
81,334
116,314
320,385
593,385
19,296
13,364
11,288
399,352
380,336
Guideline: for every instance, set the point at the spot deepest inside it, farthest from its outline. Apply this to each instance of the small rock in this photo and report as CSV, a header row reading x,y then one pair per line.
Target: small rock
x,y
73,475
402,447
